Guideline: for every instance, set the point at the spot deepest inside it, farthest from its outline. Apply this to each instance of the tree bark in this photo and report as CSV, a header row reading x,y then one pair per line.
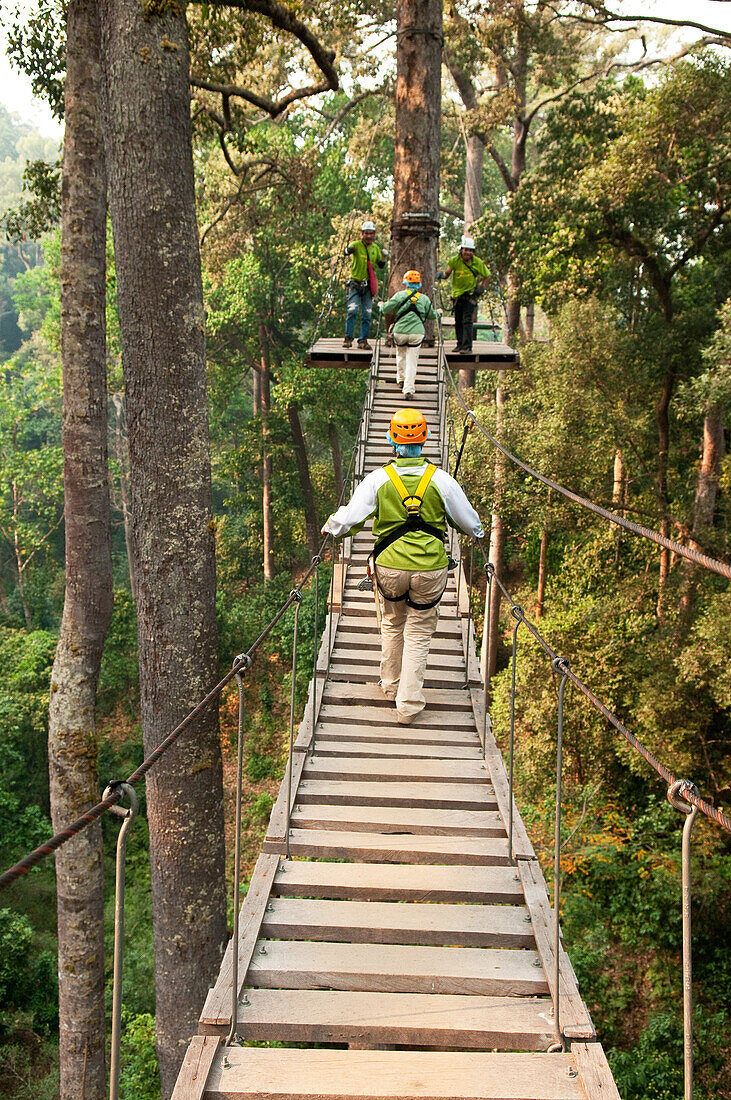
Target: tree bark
x,y
706,492
416,158
332,433
266,457
152,198
72,747
542,571
122,454
662,419
303,469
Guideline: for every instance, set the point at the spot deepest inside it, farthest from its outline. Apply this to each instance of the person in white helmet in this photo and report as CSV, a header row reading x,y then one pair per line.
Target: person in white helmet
x,y
362,286
469,278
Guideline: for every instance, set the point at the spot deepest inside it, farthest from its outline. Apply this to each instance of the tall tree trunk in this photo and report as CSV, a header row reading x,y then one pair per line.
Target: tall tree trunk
x,y
474,159
152,199
662,419
416,160
72,748
706,492
4,599
332,434
255,391
542,570
122,456
490,635
266,457
618,487
303,469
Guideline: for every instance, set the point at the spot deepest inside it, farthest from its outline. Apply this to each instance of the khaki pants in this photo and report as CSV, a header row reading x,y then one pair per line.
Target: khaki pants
x,y
406,634
407,359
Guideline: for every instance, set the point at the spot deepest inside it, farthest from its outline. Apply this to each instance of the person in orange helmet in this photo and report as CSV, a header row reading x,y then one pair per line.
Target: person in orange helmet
x,y
411,309
411,502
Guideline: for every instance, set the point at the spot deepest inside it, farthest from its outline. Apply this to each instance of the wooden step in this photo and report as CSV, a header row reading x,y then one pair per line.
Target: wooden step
x,y
430,795
395,772
388,749
391,922
359,674
335,729
381,882
303,964
406,1019
454,700
382,848
399,820
384,718
317,1074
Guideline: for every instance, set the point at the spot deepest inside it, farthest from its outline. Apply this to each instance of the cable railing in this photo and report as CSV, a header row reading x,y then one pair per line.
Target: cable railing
x,y
682,794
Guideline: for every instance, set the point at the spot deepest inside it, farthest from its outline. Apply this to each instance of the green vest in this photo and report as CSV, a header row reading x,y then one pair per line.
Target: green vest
x,y
416,550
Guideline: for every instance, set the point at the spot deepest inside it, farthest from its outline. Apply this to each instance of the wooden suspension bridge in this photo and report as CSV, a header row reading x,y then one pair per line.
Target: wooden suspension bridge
x,y
396,952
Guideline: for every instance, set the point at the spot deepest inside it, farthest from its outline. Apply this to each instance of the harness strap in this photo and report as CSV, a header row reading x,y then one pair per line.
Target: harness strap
x,y
414,522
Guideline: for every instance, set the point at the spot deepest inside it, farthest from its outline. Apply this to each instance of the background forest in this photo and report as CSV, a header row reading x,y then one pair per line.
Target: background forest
x,y
591,160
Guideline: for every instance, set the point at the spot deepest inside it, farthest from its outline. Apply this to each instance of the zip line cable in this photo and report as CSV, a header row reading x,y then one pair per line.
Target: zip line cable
x,y
712,564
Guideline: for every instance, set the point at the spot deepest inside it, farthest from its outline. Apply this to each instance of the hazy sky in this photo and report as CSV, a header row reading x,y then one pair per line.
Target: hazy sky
x,y
16,95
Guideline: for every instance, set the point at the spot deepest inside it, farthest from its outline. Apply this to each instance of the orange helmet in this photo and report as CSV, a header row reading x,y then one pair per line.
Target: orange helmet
x,y
408,426
412,277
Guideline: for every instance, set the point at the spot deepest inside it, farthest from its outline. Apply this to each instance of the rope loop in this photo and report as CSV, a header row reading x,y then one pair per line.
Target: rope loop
x,y
489,570
561,665
676,791
119,789
518,613
242,662
295,595
316,559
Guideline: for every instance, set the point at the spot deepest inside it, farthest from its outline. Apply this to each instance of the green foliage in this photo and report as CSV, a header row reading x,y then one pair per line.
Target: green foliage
x,y
139,1078
28,981
40,213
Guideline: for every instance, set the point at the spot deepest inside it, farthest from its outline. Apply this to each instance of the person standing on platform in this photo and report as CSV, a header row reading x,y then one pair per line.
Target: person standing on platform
x,y
410,309
411,501
469,279
362,286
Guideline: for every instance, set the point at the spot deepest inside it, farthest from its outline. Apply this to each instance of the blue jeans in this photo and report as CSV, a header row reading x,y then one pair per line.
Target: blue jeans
x,y
358,296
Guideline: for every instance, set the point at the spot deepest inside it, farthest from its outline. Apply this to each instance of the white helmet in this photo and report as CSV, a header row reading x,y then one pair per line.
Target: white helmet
x,y
467,242
367,225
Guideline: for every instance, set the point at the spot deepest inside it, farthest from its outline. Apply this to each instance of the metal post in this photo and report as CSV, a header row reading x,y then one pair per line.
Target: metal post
x,y
128,817
316,560
517,613
691,813
469,621
489,575
560,665
244,660
298,600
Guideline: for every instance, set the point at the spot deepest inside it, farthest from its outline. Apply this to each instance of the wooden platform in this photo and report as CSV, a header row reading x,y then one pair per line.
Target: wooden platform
x,y
485,355
398,953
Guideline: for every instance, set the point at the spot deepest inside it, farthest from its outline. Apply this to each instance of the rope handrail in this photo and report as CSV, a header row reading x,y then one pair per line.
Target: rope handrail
x,y
687,790
712,564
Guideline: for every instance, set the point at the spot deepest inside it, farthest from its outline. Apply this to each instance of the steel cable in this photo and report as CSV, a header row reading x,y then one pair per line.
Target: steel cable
x,y
719,567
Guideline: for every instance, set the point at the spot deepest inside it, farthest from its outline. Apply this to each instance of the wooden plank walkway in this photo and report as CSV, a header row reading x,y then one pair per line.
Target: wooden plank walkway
x,y
397,953
485,355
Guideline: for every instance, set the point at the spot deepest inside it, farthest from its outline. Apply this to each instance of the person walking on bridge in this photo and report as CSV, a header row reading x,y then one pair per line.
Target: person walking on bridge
x,y
411,501
411,308
362,286
469,279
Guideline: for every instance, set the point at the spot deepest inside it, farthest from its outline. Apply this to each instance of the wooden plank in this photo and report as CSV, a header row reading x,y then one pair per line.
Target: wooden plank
x,y
362,674
448,796
366,660
277,827
594,1072
377,848
381,882
333,729
574,1016
389,748
506,926
399,820
300,964
261,1074
522,847
369,696
218,1002
385,717
394,771
408,1019
199,1057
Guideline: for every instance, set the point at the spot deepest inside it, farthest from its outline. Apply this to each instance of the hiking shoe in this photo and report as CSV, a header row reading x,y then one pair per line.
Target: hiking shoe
x,y
404,719
390,693
409,396
348,342
364,345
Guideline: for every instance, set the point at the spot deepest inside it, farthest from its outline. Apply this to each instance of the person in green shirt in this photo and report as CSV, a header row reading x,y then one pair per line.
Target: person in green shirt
x,y
411,309
362,285
469,278
411,502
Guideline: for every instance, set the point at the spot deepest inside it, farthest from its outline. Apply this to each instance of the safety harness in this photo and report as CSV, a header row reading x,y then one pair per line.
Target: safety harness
x,y
412,503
